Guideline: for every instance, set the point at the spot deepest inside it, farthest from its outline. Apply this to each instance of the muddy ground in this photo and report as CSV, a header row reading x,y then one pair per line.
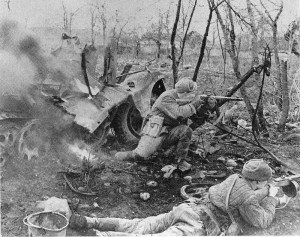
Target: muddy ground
x,y
24,183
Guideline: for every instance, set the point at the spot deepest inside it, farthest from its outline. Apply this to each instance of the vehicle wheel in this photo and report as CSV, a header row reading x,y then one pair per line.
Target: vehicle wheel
x,y
127,123
33,143
8,136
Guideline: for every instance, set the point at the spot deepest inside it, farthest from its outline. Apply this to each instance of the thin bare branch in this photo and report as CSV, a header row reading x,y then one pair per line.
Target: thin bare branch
x,y
187,29
268,12
223,53
242,18
212,8
173,47
219,3
8,4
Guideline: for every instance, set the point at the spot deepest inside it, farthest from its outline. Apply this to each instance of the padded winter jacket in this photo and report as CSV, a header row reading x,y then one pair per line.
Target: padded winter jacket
x,y
167,107
243,202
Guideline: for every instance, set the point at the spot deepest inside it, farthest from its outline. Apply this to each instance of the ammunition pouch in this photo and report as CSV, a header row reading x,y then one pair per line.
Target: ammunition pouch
x,y
153,127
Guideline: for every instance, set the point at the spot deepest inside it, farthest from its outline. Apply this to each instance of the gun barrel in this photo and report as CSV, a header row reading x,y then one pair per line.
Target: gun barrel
x,y
291,177
218,98
225,98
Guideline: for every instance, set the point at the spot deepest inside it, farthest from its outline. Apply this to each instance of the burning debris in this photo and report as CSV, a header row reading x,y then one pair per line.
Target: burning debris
x,y
60,93
27,117
83,153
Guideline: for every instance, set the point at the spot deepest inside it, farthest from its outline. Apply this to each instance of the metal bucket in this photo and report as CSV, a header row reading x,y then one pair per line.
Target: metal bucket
x,y
291,189
46,223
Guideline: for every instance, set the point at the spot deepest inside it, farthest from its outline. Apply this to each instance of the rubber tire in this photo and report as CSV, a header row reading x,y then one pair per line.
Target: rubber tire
x,y
121,126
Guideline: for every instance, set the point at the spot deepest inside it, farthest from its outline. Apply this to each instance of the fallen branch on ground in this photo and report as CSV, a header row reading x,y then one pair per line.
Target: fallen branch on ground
x,y
258,144
125,171
75,190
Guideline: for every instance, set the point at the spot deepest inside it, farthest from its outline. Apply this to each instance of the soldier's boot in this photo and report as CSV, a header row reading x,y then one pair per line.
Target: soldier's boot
x,y
78,222
127,156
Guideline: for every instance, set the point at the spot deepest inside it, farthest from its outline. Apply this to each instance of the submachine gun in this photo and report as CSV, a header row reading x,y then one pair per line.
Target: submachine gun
x,y
289,185
202,114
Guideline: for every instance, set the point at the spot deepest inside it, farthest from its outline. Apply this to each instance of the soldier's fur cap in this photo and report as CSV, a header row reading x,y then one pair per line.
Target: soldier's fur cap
x,y
257,170
185,85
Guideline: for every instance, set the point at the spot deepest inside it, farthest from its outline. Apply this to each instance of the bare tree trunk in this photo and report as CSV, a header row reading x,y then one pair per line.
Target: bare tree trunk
x,y
104,34
158,44
277,66
203,44
209,49
8,4
255,61
93,23
70,23
231,48
103,21
175,60
65,18
273,23
159,36
173,47
285,97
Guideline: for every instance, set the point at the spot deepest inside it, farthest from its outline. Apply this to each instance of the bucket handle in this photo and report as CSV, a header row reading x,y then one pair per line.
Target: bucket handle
x,y
25,221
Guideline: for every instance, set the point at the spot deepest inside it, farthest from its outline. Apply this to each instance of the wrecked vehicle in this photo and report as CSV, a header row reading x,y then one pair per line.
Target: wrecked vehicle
x,y
69,83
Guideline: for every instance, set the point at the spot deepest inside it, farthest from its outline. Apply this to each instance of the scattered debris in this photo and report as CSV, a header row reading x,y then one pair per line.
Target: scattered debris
x,y
168,170
84,206
205,148
231,162
221,159
145,196
199,174
152,183
144,168
81,189
242,123
127,190
219,175
188,178
210,172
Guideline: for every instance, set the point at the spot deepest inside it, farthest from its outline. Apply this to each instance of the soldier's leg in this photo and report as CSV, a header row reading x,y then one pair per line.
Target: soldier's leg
x,y
181,137
182,220
186,222
146,147
149,225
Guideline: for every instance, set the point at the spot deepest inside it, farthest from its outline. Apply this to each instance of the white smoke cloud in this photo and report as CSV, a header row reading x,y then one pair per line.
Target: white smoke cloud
x,y
16,73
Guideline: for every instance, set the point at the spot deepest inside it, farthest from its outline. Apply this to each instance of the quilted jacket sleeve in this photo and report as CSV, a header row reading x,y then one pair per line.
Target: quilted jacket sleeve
x,y
258,214
169,106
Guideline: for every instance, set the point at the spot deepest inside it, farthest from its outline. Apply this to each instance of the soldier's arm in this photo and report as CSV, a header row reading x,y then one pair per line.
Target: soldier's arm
x,y
170,107
259,214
